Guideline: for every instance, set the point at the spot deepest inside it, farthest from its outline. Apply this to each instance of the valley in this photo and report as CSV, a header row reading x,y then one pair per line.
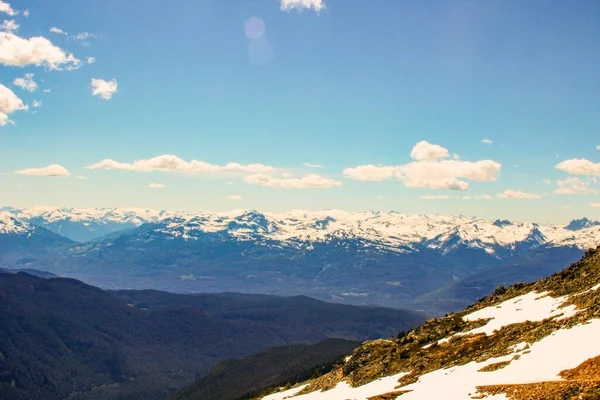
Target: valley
x,y
62,338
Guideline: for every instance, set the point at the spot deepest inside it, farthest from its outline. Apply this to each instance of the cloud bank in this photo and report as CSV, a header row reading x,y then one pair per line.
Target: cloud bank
x,y
173,163
517,194
39,51
289,5
9,103
431,169
50,170
579,166
7,9
306,182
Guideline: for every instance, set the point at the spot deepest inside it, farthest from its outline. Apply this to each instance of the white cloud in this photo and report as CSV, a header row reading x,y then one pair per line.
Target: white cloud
x,y
9,103
430,170
438,197
288,5
81,177
594,204
234,197
445,174
47,90
564,191
598,147
26,13
574,185
517,194
579,166
90,60
18,52
9,25
36,104
50,170
156,186
173,163
445,197
425,151
82,38
484,197
487,141
26,83
382,197
58,30
370,172
306,182
229,182
6,8
104,89
309,165
547,181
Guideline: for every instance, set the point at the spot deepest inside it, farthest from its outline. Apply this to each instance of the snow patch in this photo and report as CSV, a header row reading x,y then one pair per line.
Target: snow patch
x,y
344,391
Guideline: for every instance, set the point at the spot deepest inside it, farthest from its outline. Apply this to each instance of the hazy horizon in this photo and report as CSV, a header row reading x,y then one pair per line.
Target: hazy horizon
x,y
240,210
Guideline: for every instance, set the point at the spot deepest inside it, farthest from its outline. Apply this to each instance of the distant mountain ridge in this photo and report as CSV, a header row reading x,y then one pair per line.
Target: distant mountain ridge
x,y
83,224
388,259
22,242
391,229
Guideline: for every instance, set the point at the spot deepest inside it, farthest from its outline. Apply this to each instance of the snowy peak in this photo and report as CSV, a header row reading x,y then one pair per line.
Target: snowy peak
x,y
83,224
9,225
535,238
579,224
501,223
136,216
530,341
252,221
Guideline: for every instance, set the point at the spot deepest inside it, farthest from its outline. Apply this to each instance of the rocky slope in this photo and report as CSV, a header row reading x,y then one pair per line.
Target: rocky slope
x,y
530,341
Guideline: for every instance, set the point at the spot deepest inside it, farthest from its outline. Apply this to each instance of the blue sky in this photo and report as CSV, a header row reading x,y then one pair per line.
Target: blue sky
x,y
353,86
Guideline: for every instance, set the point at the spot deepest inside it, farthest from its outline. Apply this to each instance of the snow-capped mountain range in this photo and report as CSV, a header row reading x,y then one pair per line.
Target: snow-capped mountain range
x,y
83,224
385,230
381,258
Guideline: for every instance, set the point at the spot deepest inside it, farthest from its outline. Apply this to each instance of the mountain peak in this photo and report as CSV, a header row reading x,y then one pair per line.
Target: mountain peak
x,y
501,223
9,224
582,223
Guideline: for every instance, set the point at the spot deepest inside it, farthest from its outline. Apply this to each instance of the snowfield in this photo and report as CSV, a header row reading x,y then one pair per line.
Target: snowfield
x,y
532,307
